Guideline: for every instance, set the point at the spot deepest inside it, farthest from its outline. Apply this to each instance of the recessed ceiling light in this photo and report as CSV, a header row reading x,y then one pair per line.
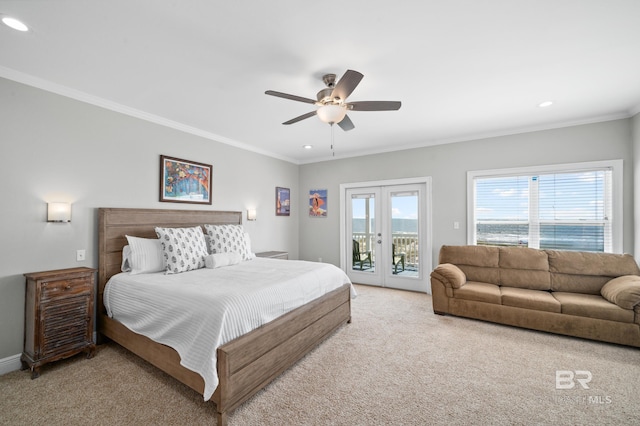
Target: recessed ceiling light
x,y
545,104
14,23
307,146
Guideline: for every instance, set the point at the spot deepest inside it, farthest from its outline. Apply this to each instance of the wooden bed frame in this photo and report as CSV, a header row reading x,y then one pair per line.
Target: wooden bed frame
x,y
246,364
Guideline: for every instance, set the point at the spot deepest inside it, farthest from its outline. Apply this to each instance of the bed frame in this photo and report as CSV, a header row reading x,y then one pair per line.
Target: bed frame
x,y
246,364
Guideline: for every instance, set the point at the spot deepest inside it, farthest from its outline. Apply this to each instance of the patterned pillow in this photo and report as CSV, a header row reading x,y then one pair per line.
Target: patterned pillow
x,y
228,239
184,249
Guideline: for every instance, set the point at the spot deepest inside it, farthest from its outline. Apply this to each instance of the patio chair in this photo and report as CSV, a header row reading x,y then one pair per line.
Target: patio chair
x,y
360,257
397,258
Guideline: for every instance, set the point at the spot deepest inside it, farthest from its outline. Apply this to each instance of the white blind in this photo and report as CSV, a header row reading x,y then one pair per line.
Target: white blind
x,y
566,210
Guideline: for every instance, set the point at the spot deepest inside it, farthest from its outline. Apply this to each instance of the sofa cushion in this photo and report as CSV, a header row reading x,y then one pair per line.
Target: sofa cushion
x,y
479,263
480,292
587,263
530,299
585,284
593,306
523,258
485,256
524,267
623,291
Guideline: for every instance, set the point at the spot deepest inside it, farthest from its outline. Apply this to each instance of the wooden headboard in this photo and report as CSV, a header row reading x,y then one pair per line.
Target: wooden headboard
x,y
115,223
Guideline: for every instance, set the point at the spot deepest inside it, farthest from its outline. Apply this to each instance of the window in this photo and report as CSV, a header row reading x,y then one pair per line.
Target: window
x,y
564,207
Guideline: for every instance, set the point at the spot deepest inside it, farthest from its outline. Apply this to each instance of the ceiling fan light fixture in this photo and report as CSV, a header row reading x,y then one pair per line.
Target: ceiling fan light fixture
x,y
331,113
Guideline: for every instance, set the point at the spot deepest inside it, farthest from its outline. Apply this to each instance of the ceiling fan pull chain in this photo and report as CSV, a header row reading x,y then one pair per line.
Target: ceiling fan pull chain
x,y
333,153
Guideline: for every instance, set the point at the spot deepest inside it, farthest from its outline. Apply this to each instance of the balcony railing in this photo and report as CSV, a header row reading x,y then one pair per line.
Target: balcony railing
x,y
405,242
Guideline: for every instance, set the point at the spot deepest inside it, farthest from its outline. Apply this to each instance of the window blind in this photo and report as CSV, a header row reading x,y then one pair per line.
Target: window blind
x,y
562,210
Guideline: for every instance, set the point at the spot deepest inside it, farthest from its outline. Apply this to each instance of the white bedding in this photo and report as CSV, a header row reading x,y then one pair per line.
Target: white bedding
x,y
197,311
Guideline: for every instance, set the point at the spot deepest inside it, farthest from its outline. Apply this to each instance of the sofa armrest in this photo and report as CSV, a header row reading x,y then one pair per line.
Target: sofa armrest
x,y
450,275
624,291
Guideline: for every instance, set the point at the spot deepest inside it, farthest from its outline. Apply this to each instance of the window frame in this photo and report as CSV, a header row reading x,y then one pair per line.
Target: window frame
x,y
617,205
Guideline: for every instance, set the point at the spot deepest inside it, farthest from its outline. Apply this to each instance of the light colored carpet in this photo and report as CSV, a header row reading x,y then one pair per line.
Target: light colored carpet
x,y
396,363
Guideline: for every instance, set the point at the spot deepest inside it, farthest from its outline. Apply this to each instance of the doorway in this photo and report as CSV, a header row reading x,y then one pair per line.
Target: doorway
x,y
386,233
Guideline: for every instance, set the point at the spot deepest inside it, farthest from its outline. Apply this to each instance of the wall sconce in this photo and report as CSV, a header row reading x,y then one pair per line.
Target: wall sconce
x,y
251,214
59,212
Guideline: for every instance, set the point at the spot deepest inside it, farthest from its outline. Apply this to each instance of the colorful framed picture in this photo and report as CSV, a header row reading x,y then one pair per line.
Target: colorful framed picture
x,y
183,181
318,203
283,201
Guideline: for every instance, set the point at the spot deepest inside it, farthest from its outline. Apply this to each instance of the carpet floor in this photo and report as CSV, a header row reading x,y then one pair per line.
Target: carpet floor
x,y
396,364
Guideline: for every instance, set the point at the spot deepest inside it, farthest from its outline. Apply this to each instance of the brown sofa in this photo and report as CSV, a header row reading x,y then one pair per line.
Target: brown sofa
x,y
589,295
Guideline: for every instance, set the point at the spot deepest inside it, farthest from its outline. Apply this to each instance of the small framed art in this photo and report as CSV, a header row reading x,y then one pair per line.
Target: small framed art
x,y
183,181
283,201
318,203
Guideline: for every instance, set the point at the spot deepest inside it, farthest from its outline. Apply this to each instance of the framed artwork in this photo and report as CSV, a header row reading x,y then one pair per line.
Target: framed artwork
x,y
183,181
283,201
318,203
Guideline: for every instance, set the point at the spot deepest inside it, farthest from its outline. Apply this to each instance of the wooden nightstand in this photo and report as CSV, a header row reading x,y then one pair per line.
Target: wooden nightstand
x,y
58,316
274,254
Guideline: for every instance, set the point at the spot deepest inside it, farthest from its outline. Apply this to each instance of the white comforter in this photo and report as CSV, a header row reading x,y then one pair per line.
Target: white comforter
x,y
196,312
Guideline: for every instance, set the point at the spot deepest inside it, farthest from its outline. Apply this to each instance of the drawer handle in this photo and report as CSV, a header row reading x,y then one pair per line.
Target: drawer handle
x,y
67,287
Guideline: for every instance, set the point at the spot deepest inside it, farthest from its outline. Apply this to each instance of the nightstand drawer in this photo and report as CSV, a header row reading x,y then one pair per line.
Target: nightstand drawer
x,y
64,288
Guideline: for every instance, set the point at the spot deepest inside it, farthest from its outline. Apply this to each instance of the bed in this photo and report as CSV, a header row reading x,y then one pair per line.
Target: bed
x,y
244,365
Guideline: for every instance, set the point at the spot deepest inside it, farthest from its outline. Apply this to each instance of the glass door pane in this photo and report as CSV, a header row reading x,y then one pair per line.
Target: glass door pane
x,y
405,250
363,232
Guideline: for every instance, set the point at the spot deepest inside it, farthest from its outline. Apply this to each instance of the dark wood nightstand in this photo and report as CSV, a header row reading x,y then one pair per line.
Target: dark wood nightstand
x,y
58,316
274,254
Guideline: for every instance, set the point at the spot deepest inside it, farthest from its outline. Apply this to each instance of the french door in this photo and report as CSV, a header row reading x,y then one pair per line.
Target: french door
x,y
386,235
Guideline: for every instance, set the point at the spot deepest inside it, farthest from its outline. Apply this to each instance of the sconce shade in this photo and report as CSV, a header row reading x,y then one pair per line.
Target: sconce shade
x,y
59,212
251,214
332,113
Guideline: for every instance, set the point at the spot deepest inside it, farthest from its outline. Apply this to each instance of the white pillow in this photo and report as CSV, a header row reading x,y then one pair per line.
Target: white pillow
x,y
146,255
126,261
184,249
219,260
228,239
247,240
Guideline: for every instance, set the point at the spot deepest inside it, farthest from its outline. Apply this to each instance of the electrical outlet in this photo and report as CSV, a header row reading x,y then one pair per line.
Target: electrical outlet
x,y
80,255
456,225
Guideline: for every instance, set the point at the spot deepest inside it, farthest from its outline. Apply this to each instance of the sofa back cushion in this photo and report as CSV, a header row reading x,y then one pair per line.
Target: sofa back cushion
x,y
585,272
523,267
479,263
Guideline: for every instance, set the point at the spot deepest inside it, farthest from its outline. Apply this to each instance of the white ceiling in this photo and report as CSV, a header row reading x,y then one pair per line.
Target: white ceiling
x,y
463,69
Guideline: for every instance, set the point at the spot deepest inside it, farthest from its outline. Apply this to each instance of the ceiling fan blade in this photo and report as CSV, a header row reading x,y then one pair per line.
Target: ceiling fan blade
x,y
288,96
300,118
346,124
346,84
375,106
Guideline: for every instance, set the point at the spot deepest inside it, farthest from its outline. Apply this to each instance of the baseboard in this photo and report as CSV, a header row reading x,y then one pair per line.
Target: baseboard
x,y
9,364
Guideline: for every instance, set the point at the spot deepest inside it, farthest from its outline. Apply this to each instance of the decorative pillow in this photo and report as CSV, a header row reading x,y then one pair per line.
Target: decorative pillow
x,y
184,249
624,291
228,239
219,260
146,255
126,259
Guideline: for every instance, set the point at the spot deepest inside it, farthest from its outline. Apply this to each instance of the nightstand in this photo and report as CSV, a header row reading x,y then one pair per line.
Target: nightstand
x,y
58,316
274,254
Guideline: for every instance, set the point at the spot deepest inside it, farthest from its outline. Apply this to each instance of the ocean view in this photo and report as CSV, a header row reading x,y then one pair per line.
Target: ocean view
x,y
563,237
398,225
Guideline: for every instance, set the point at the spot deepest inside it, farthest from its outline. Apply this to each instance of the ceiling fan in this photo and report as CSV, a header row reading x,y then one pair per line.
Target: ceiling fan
x,y
332,101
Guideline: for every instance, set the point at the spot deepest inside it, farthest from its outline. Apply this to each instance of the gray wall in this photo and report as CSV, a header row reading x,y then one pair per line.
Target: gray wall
x,y
448,165
57,149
